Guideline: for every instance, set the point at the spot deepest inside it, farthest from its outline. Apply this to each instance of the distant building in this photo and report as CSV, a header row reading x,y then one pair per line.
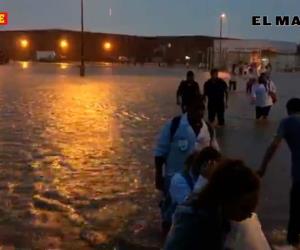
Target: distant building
x,y
200,50
23,45
281,55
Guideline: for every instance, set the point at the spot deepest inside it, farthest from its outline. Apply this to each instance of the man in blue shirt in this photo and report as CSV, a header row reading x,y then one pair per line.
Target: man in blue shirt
x,y
289,130
172,151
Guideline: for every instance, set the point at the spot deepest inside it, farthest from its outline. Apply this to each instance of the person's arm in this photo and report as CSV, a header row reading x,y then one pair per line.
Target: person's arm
x,y
159,180
198,89
205,92
178,93
269,155
161,152
226,94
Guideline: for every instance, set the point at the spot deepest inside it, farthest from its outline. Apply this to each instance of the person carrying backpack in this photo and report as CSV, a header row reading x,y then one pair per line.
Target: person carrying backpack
x,y
179,138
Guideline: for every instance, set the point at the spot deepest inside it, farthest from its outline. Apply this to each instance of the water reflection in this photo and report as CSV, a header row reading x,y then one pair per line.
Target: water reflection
x,y
24,65
63,65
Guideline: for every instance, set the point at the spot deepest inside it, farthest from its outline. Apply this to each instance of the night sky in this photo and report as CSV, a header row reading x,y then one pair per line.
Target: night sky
x,y
155,17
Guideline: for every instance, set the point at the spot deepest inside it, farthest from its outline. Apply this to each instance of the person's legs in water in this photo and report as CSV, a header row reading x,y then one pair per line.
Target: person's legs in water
x,y
259,112
212,114
166,223
265,112
230,85
221,116
294,220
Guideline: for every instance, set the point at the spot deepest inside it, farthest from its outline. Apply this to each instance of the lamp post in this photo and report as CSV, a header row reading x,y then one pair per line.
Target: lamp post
x,y
222,17
82,64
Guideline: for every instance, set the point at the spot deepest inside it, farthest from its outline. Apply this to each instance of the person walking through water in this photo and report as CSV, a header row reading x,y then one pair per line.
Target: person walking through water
x,y
261,96
289,130
180,137
233,78
203,222
216,91
187,90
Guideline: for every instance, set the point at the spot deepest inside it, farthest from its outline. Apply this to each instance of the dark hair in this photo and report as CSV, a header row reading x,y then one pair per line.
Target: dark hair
x,y
293,106
231,180
262,79
196,160
214,70
190,74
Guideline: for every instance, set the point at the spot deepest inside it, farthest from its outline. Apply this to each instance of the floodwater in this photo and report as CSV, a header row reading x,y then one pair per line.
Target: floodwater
x,y
76,155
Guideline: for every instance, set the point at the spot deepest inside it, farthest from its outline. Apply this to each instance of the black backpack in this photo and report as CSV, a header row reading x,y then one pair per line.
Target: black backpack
x,y
175,124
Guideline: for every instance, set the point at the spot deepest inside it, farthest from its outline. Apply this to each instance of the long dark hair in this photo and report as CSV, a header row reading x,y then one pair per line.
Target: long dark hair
x,y
262,80
231,181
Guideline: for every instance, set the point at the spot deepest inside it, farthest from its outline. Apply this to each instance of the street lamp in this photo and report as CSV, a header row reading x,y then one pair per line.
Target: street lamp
x,y
64,44
24,43
107,46
82,65
222,17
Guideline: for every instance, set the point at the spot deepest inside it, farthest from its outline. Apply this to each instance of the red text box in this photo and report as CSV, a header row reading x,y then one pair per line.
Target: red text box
x,y
3,18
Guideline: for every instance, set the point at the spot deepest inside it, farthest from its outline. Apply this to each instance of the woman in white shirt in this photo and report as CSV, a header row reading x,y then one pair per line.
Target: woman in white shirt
x,y
261,96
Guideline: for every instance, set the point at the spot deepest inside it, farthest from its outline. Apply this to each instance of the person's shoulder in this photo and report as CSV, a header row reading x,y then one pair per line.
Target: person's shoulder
x,y
291,119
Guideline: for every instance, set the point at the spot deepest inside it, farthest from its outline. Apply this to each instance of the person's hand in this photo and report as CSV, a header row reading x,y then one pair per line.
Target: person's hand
x,y
159,183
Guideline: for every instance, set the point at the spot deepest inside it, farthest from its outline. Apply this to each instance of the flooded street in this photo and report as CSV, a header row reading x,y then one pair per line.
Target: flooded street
x,y
76,154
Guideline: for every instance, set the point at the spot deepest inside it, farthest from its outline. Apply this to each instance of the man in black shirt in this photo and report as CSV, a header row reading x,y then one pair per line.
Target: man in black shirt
x,y
216,91
187,91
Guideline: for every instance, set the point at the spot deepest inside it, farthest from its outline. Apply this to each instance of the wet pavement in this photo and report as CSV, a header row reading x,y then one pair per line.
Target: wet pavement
x,y
76,154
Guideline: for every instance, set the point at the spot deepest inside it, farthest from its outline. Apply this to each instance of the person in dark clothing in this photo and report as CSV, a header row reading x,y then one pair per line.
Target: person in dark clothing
x,y
203,222
187,90
216,91
289,130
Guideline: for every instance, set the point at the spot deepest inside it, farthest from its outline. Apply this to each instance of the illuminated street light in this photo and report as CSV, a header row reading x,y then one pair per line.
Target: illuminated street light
x,y
107,46
64,44
24,43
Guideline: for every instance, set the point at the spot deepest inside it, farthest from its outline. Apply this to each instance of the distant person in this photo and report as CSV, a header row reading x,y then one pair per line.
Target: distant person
x,y
252,79
203,222
216,91
187,90
241,69
179,138
271,87
233,78
198,169
261,96
269,68
289,130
